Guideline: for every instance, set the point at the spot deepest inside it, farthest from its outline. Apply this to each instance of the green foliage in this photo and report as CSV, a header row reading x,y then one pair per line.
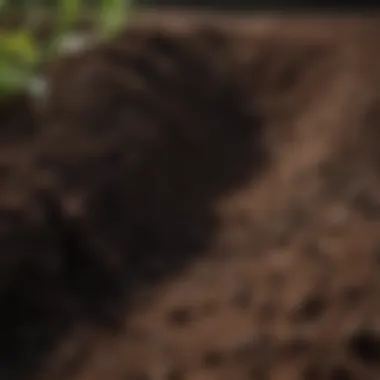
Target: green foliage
x,y
20,52
68,11
18,59
112,15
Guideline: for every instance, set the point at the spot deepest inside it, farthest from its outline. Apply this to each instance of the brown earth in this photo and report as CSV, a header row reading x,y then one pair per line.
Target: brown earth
x,y
200,201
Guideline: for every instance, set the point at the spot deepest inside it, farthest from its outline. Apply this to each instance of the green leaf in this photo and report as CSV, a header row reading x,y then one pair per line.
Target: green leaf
x,y
68,11
18,59
113,15
18,46
12,79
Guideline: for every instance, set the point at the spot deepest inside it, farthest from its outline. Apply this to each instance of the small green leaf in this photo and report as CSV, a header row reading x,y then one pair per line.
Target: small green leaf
x,y
19,46
69,11
113,15
12,79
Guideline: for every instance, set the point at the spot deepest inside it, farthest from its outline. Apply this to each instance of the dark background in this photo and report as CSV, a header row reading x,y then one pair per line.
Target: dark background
x,y
239,5
323,5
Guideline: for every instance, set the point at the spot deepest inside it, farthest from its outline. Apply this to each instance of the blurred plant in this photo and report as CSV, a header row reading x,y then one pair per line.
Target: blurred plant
x,y
21,53
18,59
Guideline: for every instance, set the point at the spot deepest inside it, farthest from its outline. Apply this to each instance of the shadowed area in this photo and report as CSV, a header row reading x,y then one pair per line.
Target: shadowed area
x,y
138,139
197,203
